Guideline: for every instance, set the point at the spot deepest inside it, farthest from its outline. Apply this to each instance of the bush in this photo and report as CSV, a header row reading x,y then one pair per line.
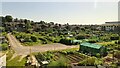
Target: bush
x,y
34,38
42,38
80,37
63,52
61,63
92,41
82,63
48,55
98,55
4,46
40,57
114,38
117,54
117,42
90,62
66,41
18,36
27,39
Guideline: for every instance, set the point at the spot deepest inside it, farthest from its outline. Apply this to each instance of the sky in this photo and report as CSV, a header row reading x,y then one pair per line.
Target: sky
x,y
59,0
119,11
63,12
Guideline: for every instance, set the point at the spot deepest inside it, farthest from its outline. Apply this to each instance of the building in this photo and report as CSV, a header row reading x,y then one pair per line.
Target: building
x,y
111,26
92,49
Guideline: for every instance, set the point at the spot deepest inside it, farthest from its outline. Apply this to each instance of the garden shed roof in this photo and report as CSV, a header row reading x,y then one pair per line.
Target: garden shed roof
x,y
91,45
77,41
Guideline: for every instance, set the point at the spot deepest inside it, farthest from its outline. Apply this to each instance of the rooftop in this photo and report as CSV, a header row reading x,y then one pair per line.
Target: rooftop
x,y
96,46
114,22
77,41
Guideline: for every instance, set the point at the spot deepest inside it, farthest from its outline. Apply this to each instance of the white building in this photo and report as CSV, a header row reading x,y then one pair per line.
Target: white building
x,y
111,26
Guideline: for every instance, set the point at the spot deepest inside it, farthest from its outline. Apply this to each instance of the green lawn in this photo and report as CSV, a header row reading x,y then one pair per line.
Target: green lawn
x,y
15,62
9,54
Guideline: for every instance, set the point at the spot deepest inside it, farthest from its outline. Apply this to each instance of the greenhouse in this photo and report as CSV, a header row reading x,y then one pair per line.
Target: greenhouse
x,y
92,49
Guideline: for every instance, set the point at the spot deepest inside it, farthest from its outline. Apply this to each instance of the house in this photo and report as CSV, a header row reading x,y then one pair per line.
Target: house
x,y
92,49
111,26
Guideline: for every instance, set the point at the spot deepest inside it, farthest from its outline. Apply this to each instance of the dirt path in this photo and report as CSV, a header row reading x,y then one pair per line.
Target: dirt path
x,y
25,50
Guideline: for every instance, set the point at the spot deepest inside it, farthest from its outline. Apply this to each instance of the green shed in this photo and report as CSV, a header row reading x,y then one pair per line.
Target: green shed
x,y
92,49
75,42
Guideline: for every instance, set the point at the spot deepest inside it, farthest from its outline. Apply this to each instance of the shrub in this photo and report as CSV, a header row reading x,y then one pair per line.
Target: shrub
x,y
114,38
40,57
98,55
61,63
117,42
27,39
63,52
117,54
92,41
44,40
90,61
80,37
4,46
82,63
34,38
66,41
18,36
48,55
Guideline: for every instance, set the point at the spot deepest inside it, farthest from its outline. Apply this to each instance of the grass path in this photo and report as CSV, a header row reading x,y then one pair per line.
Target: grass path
x,y
16,62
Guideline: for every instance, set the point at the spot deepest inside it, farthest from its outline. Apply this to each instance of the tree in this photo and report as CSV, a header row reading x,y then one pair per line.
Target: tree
x,y
25,21
52,23
83,29
16,20
43,27
21,20
42,22
68,27
2,19
8,18
56,27
27,24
